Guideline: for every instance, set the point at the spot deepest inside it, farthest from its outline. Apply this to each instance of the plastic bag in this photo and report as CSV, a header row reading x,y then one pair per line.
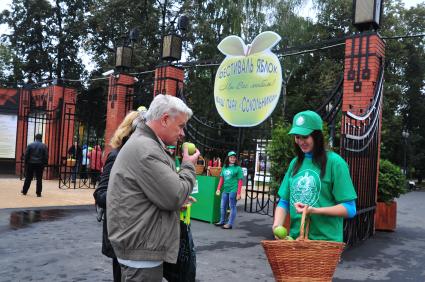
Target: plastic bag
x,y
185,268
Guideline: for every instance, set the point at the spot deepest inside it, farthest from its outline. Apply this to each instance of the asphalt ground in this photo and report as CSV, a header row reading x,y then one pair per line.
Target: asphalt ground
x,y
63,243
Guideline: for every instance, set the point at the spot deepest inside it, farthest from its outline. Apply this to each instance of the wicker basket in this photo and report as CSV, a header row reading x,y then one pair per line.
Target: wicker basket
x,y
71,162
199,168
303,259
215,171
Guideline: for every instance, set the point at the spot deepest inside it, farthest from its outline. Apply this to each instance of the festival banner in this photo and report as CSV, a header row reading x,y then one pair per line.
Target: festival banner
x,y
249,80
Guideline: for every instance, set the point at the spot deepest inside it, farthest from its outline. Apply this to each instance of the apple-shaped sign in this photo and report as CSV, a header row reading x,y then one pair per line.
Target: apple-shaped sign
x,y
280,232
249,80
191,148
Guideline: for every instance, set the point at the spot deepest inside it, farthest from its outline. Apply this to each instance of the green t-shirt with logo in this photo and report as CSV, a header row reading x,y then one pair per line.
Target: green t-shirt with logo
x,y
308,188
231,175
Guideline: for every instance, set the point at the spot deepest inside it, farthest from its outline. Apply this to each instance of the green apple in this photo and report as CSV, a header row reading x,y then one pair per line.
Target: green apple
x,y
289,238
280,232
191,148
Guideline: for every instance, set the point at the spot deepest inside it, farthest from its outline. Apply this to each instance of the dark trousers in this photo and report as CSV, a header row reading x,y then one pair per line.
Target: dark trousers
x,y
30,170
130,274
116,270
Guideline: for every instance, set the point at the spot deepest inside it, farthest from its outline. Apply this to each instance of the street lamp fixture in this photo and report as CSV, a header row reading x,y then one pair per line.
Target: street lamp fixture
x,y
172,43
367,14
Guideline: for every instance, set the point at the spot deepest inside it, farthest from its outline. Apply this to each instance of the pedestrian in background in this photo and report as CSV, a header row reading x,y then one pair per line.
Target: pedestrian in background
x,y
36,156
121,135
75,152
85,162
96,163
231,177
145,193
317,180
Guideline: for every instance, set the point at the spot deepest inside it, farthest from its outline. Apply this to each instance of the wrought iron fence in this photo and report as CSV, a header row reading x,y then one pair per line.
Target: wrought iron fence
x,y
360,148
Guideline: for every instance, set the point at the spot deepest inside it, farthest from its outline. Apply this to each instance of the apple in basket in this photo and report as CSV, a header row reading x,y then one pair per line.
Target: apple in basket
x,y
191,148
280,232
289,238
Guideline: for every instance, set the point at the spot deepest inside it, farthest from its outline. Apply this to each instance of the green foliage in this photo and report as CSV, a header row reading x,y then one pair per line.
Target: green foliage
x,y
280,152
391,182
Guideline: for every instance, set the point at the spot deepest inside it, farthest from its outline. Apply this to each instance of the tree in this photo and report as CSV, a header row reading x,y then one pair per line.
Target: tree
x,y
30,23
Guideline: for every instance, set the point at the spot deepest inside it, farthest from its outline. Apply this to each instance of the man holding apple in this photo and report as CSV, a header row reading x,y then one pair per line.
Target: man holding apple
x,y
145,192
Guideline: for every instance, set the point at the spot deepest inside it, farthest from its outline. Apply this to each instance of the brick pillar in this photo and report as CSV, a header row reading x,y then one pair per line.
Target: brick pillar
x,y
364,55
168,80
62,130
120,102
22,128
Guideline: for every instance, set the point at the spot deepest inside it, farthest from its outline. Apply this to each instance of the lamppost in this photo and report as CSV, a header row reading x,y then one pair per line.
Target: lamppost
x,y
163,4
329,108
405,134
171,43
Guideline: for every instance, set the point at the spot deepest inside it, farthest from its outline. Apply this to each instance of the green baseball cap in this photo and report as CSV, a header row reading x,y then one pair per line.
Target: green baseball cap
x,y
231,153
305,123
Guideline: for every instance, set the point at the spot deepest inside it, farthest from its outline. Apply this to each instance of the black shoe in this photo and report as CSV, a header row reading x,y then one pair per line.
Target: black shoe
x,y
226,226
23,194
38,195
218,224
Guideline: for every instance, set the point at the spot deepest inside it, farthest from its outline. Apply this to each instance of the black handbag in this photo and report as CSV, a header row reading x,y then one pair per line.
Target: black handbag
x,y
185,268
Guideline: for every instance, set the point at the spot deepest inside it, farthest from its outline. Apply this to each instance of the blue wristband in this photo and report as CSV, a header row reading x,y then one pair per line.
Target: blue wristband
x,y
350,206
283,204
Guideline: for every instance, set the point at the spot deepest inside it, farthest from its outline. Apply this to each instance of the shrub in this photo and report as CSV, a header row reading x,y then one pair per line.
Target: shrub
x,y
280,151
391,181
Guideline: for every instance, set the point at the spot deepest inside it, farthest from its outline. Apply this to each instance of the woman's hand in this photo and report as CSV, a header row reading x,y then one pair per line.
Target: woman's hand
x,y
300,208
238,197
217,192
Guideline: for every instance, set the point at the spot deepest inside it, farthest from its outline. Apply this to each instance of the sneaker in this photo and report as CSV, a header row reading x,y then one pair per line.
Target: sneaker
x,y
38,195
23,194
227,226
218,224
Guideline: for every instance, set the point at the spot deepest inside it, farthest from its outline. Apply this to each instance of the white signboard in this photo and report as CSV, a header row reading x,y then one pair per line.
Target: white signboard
x,y
8,125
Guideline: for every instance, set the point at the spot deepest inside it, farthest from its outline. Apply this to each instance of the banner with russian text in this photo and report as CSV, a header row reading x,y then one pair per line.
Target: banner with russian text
x,y
249,80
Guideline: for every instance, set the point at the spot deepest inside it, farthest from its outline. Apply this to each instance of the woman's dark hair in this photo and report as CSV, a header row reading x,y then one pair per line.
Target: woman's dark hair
x,y
226,161
319,153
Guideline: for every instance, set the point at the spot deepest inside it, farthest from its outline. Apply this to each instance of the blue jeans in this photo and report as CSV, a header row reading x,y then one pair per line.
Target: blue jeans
x,y
227,197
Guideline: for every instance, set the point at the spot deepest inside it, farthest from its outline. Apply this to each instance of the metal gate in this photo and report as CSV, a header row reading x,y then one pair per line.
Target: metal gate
x,y
82,148
37,116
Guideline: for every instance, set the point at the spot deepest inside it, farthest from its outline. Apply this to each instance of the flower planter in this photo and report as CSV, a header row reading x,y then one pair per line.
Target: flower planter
x,y
386,216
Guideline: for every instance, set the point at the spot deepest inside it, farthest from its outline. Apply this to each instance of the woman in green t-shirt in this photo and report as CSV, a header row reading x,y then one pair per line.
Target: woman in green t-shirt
x,y
318,180
231,180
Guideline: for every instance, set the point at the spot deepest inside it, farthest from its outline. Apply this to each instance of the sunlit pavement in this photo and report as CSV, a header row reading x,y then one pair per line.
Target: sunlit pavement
x,y
62,243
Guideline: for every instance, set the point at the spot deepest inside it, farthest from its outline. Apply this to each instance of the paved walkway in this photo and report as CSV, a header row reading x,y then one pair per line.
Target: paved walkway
x,y
62,242
11,197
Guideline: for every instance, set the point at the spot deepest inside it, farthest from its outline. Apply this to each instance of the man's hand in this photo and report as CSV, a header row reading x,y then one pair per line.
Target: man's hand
x,y
217,192
190,158
238,197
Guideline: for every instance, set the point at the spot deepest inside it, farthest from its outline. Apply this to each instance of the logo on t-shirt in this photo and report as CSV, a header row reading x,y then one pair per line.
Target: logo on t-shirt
x,y
305,187
227,174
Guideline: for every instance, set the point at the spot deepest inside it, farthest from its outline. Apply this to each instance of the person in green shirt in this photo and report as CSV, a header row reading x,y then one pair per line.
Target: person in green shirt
x,y
231,180
317,180
172,150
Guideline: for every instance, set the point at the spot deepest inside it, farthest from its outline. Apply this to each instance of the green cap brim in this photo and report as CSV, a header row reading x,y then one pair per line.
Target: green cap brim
x,y
231,153
300,131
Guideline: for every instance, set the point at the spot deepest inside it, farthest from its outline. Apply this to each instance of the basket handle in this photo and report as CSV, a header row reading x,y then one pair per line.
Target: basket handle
x,y
305,225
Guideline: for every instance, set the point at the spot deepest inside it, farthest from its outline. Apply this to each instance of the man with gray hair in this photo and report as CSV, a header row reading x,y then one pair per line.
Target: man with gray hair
x,y
145,193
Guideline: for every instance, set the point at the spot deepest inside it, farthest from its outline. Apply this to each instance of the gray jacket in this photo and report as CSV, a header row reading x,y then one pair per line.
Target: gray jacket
x,y
144,198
